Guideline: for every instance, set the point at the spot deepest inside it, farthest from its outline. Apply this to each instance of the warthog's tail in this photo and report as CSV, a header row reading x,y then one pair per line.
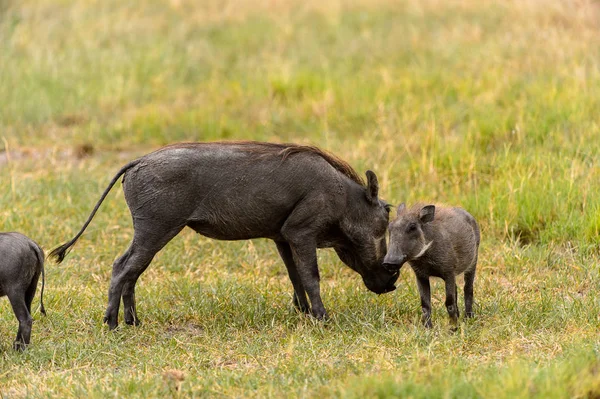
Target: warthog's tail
x,y
58,254
40,257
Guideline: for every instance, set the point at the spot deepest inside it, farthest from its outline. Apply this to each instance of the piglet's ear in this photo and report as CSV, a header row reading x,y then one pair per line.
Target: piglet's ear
x,y
427,213
372,187
401,208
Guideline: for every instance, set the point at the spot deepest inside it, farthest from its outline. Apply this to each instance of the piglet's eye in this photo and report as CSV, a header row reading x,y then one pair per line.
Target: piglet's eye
x,y
411,227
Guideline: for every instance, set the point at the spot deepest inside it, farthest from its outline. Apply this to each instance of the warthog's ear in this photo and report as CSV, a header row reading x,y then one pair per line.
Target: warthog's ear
x,y
401,208
372,187
427,213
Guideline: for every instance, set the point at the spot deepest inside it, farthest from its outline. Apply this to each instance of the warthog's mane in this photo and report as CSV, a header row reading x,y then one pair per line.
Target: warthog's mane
x,y
284,150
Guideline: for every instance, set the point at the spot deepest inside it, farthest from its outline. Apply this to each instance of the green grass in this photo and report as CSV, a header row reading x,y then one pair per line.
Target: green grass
x,y
489,105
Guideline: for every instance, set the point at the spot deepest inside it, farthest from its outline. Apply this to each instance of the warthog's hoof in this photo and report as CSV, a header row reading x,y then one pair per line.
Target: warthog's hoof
x,y
133,322
19,346
454,324
323,316
426,320
302,309
111,324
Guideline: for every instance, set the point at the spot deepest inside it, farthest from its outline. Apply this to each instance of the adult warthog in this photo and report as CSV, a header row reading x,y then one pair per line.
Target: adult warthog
x,y
298,196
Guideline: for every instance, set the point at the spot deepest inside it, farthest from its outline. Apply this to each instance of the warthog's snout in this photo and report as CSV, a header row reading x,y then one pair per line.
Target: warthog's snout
x,y
389,288
383,290
382,284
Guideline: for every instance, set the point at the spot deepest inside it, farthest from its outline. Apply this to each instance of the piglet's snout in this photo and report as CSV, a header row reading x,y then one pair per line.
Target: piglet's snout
x,y
393,262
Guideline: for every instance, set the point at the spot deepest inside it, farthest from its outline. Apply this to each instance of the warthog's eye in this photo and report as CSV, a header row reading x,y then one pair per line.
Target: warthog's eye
x,y
411,227
387,207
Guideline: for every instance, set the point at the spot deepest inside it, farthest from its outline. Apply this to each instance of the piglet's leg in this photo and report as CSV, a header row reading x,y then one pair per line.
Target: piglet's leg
x,y
469,279
425,293
451,304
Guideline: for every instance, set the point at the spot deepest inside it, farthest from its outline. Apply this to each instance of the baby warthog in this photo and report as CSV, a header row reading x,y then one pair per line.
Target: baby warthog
x,y
20,269
440,242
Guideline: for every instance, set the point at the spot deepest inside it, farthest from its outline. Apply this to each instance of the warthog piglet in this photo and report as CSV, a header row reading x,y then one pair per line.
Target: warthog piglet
x,y
440,242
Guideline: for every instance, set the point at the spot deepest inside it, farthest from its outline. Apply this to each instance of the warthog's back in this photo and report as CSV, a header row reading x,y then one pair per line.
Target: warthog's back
x,y
20,260
232,191
458,233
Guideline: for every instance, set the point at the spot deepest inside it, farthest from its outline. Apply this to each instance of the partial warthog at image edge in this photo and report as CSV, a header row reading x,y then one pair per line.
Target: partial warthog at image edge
x,y
298,196
20,269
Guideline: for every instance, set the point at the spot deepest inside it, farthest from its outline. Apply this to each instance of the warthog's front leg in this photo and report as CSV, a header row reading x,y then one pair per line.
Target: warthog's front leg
x,y
305,257
300,300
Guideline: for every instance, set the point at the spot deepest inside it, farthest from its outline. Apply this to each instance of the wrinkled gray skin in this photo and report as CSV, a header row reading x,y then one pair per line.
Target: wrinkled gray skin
x,y
297,196
439,242
22,262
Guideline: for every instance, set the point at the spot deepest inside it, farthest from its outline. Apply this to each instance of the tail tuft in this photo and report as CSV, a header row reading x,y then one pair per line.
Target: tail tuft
x,y
58,254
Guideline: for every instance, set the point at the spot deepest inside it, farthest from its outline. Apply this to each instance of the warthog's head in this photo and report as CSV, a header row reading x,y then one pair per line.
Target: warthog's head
x,y
407,239
365,227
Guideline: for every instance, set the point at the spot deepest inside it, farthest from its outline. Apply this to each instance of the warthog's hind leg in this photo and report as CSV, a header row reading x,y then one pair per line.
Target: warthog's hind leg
x,y
147,241
20,308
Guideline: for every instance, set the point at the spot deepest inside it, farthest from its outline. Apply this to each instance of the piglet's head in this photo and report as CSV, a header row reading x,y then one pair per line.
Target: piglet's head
x,y
407,238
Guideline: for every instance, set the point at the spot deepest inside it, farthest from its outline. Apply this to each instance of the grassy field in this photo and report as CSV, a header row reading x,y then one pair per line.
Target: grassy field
x,y
493,106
